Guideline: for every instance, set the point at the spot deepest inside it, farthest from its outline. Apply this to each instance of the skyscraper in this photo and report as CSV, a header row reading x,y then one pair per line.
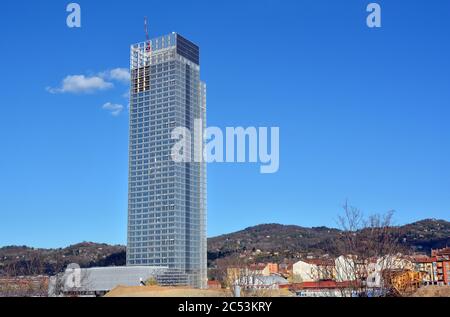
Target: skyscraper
x,y
167,200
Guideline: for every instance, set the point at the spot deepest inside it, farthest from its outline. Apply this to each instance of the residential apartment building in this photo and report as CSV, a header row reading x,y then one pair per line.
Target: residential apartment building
x,y
442,265
428,266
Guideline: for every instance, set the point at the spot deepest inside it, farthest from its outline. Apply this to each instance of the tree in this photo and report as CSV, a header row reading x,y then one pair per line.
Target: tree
x,y
368,247
151,282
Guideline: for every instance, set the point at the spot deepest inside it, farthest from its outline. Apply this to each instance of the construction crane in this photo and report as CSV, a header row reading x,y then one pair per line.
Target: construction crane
x,y
148,47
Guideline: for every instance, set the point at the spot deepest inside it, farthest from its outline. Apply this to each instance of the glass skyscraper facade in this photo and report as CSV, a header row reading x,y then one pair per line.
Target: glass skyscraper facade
x,y
167,200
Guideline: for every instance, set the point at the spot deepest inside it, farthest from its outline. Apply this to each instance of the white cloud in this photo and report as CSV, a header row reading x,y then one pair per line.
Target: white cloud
x,y
81,84
115,109
120,74
89,84
116,74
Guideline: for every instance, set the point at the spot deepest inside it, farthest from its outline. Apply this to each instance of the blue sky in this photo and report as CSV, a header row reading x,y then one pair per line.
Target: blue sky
x,y
363,113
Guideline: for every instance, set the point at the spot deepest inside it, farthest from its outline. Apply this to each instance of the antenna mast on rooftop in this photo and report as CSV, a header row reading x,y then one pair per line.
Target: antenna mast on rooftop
x,y
148,44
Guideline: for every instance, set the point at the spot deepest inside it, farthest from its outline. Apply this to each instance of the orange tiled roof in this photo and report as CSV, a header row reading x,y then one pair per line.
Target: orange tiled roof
x,y
424,259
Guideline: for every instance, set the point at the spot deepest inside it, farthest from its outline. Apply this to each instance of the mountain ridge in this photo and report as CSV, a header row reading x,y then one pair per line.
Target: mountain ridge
x,y
264,242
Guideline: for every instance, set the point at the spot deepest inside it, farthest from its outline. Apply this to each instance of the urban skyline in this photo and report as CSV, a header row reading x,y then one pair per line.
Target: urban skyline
x,y
243,152
362,112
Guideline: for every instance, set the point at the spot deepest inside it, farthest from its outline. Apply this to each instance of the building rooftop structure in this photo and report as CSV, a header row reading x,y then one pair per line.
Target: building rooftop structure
x,y
441,252
321,285
424,259
99,281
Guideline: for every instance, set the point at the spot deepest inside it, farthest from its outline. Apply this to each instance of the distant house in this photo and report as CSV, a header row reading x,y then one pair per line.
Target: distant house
x,y
304,272
390,263
428,266
272,268
264,269
259,269
370,271
256,276
312,270
347,268
442,265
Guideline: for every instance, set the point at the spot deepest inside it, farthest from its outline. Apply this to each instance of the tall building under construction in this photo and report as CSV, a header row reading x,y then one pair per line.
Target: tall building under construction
x,y
167,200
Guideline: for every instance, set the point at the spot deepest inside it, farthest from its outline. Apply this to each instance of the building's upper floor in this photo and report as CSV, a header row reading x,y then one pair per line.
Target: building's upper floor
x,y
184,48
